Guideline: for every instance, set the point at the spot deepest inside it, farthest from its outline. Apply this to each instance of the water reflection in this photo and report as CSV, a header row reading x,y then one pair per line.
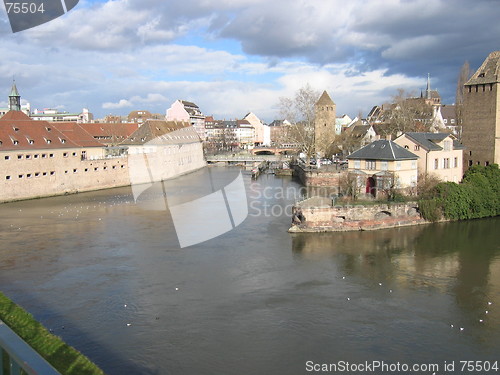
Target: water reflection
x,y
460,259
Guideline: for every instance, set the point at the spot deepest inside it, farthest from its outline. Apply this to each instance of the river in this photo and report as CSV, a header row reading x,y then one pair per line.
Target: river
x,y
109,276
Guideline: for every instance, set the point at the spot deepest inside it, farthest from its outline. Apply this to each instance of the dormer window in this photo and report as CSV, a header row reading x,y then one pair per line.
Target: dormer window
x,y
481,75
62,140
47,140
30,141
48,129
16,129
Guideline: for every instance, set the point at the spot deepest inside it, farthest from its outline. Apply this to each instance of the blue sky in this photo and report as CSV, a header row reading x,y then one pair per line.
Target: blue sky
x,y
235,56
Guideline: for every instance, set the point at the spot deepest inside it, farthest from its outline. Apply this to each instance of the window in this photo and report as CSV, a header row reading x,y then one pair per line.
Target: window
x,y
413,164
357,164
447,145
446,163
455,162
74,154
416,148
28,156
96,169
37,174
436,163
52,173
398,165
19,157
370,164
470,163
44,156
21,176
7,157
486,163
28,175
7,177
36,156
65,154
384,165
407,147
75,170
66,172
51,155
44,173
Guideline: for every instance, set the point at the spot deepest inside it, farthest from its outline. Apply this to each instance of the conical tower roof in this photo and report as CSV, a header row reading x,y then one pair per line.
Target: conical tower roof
x,y
325,99
13,90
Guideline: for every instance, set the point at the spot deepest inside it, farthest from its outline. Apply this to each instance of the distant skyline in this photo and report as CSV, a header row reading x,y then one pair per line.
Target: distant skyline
x,y
231,57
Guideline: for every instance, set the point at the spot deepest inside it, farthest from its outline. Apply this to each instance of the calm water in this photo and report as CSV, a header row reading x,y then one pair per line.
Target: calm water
x,y
108,276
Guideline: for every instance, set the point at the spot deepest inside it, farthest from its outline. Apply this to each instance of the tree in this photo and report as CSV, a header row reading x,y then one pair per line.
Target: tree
x,y
300,112
463,77
407,114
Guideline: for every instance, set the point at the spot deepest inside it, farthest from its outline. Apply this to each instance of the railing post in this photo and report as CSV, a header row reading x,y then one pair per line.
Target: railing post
x,y
15,369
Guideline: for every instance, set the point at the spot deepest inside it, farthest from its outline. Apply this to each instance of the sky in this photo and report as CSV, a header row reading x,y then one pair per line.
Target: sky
x,y
231,57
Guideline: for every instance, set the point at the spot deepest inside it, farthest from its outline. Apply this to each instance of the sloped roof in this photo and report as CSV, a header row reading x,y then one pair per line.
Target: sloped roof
x,y
488,72
19,132
163,132
325,99
427,140
13,90
77,134
116,129
383,150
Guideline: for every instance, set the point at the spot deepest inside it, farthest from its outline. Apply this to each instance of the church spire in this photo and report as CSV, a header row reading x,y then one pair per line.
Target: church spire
x,y
14,98
428,89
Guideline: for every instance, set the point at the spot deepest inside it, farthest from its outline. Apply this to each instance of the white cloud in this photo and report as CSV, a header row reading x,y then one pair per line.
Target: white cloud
x,y
123,103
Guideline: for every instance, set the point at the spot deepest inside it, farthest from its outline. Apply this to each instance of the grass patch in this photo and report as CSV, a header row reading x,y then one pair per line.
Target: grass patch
x,y
64,358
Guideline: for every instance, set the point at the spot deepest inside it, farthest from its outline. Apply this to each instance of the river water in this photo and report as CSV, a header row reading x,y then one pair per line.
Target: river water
x,y
109,276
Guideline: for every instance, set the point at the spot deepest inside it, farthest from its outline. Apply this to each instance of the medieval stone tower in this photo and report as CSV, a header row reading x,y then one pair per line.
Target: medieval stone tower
x,y
481,118
324,124
14,99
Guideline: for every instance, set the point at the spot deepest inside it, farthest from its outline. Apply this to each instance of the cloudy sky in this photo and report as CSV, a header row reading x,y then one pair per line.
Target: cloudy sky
x,y
235,56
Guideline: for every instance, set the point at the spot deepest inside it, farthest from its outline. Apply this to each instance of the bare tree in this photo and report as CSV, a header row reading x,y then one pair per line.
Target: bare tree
x,y
408,114
463,77
300,111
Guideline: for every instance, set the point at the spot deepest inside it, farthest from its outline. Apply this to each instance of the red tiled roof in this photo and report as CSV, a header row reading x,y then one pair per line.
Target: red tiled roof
x,y
19,132
77,134
115,132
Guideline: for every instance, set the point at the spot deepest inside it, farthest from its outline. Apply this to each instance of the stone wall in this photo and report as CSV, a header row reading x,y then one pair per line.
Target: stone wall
x,y
58,172
324,218
324,176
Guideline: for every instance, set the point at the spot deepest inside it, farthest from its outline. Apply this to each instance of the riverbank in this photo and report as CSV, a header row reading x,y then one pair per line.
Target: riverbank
x,y
64,358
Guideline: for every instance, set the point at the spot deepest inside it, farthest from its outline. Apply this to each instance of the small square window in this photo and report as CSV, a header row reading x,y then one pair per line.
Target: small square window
x,y
28,156
7,157
52,173
7,177
37,174
51,155
65,154
44,156
74,153
36,156
28,175
19,157
75,170
21,176
44,173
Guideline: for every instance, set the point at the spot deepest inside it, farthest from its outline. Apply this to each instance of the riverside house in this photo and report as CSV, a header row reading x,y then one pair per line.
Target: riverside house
x,y
383,164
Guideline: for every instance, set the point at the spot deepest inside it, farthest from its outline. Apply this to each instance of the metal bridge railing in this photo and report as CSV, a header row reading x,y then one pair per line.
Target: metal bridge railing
x,y
22,356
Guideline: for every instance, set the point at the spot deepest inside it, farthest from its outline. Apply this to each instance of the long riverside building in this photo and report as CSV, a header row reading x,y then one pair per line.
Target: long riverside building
x,y
39,159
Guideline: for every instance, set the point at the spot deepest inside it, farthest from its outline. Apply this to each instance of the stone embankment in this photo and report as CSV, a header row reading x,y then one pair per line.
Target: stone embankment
x,y
320,215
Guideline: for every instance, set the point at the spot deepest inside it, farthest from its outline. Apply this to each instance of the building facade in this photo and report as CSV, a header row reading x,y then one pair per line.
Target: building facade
x,y
383,165
440,154
481,114
182,110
